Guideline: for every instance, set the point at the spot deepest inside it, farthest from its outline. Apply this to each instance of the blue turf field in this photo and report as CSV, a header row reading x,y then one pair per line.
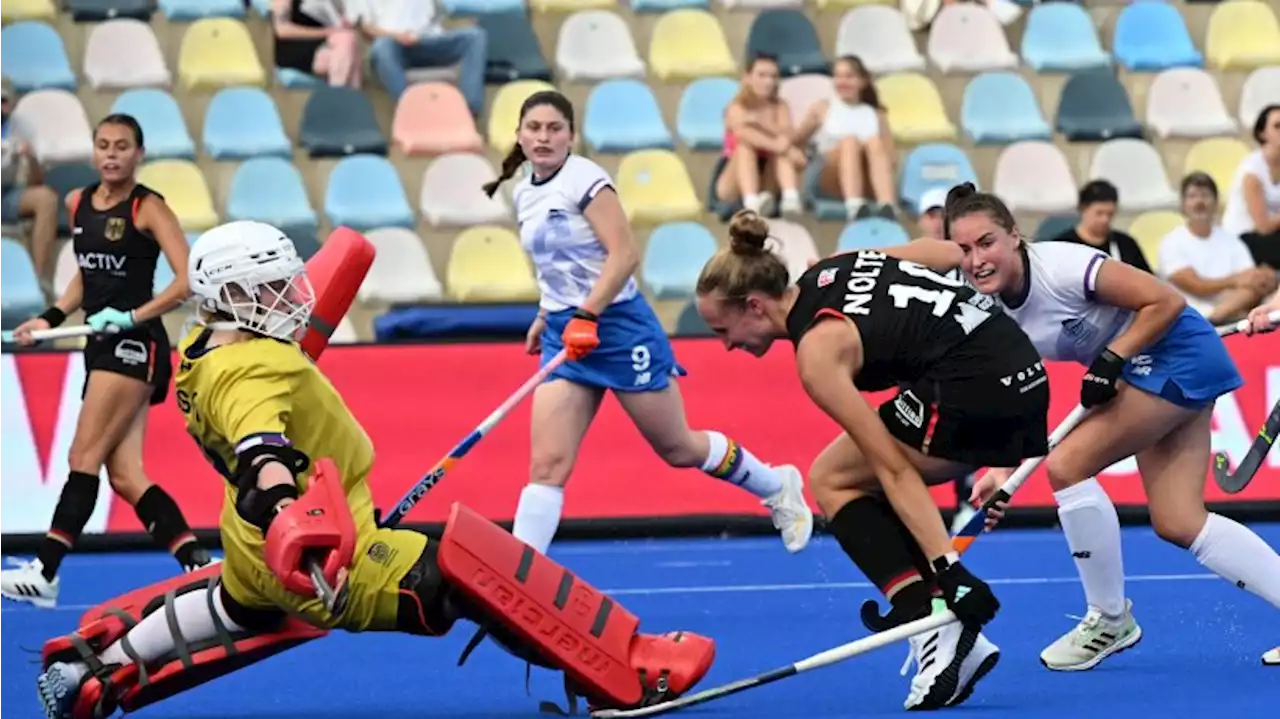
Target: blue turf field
x,y
1199,656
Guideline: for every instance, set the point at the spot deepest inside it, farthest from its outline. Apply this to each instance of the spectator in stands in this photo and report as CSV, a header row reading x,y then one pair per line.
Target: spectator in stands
x,y
930,213
25,194
1097,205
1211,266
758,148
849,129
409,35
312,36
1253,205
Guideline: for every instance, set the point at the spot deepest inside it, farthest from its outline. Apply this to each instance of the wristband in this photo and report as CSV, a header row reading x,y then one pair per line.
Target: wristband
x,y
941,563
586,315
54,316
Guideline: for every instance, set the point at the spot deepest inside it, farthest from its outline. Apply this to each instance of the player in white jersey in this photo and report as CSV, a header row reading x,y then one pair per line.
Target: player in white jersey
x,y
1155,369
574,228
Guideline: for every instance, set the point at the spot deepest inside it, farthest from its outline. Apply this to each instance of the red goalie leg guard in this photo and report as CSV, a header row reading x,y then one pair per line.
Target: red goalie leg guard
x,y
566,621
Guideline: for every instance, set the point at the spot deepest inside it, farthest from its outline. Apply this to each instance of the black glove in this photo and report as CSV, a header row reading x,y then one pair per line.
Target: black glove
x,y
966,595
1099,384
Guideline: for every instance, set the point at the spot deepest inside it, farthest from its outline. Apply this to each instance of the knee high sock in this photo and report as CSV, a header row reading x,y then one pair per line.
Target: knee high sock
x,y
877,542
728,460
538,515
1092,529
152,638
1233,552
75,506
163,520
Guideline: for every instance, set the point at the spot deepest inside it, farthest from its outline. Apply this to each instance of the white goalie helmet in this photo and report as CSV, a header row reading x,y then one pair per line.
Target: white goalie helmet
x,y
251,273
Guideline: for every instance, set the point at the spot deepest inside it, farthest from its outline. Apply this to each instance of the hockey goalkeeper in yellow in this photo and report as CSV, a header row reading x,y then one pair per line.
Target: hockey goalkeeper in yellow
x,y
298,505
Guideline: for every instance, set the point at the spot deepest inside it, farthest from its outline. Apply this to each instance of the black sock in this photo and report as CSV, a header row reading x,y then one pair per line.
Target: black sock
x,y
75,507
876,540
163,520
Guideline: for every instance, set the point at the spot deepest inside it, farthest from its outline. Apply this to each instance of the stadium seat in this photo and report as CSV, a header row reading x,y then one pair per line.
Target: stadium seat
x,y
242,122
568,6
1186,102
700,114
22,298
799,92
999,108
871,234
122,54
661,6
1261,88
1243,34
291,79
62,128
1151,35
163,276
795,246
655,187
34,57
1137,171
487,264
673,258
933,165
1219,157
1094,107
790,37
62,179
622,116
432,118
161,120
338,121
271,190
1060,37
504,113
364,192
87,11
850,4
483,8
748,5
915,108
191,10
218,52
1149,229
1034,176
184,190
1054,226
18,10
691,324
689,44
878,35
514,52
967,37
401,271
452,195
596,45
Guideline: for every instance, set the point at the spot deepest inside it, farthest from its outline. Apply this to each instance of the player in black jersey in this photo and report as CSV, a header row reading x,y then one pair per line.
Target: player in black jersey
x,y
972,393
120,228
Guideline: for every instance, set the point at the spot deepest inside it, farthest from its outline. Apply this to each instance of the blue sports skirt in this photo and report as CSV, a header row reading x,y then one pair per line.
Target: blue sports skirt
x,y
1189,366
634,353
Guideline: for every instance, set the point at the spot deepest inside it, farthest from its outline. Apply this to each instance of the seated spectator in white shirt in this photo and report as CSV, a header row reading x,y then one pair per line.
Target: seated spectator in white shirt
x,y
1211,266
1253,203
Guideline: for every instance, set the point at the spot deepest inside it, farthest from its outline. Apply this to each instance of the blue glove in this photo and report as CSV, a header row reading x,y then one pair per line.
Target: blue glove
x,y
110,320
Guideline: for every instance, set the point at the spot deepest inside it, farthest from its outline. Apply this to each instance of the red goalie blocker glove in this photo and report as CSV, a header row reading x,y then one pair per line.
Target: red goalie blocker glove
x,y
317,526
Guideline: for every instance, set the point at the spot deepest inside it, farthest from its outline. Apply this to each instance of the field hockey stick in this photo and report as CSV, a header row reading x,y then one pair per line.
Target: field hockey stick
x,y
59,333
1242,325
1234,482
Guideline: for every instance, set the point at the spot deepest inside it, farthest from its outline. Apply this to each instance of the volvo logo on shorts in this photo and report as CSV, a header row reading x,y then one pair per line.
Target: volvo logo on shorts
x,y
131,352
909,408
114,229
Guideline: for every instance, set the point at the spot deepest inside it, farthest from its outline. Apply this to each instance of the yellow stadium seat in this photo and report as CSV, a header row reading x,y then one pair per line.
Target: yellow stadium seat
x,y
1151,227
15,10
185,191
488,265
504,116
688,44
218,52
1243,34
655,187
850,4
568,6
915,109
1218,156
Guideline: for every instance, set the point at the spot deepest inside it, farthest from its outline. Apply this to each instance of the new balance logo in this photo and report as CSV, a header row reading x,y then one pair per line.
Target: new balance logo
x,y
1082,555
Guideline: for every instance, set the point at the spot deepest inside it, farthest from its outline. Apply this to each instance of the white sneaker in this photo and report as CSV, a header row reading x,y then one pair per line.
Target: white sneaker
x,y
1272,658
1095,638
59,686
25,582
949,662
791,514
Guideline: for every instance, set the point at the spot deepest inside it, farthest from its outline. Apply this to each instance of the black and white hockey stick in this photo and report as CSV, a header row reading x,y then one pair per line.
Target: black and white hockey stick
x,y
1232,482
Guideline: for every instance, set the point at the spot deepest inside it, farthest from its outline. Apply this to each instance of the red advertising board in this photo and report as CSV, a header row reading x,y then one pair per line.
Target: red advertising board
x,y
417,401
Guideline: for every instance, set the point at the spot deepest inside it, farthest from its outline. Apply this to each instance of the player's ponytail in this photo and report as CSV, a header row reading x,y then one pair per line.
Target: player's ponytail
x,y
965,199
747,265
510,166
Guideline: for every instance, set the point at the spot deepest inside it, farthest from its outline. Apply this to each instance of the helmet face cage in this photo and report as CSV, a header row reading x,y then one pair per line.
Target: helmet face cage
x,y
279,308
262,286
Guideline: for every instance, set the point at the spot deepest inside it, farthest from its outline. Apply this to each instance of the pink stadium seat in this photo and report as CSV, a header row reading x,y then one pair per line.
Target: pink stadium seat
x,y
432,118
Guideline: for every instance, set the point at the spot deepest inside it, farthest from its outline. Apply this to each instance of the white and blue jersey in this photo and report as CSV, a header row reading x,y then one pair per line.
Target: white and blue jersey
x,y
1188,366
634,353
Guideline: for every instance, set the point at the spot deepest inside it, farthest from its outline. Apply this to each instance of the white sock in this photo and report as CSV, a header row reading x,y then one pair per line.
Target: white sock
x,y
152,638
753,202
728,460
538,515
1232,551
1092,529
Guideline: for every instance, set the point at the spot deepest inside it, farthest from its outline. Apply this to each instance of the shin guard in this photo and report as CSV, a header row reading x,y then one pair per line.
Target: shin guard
x,y
563,621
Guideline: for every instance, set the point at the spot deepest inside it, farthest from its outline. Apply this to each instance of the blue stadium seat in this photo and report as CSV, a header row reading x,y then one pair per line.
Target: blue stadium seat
x,y
1094,107
262,7
938,164
64,178
22,298
871,234
623,115
661,6
364,193
271,190
291,79
338,121
1055,226
514,52
483,8
789,36
192,10
243,122
691,324
674,257
1000,108
34,57
1151,36
161,120
102,10
700,115
1060,37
